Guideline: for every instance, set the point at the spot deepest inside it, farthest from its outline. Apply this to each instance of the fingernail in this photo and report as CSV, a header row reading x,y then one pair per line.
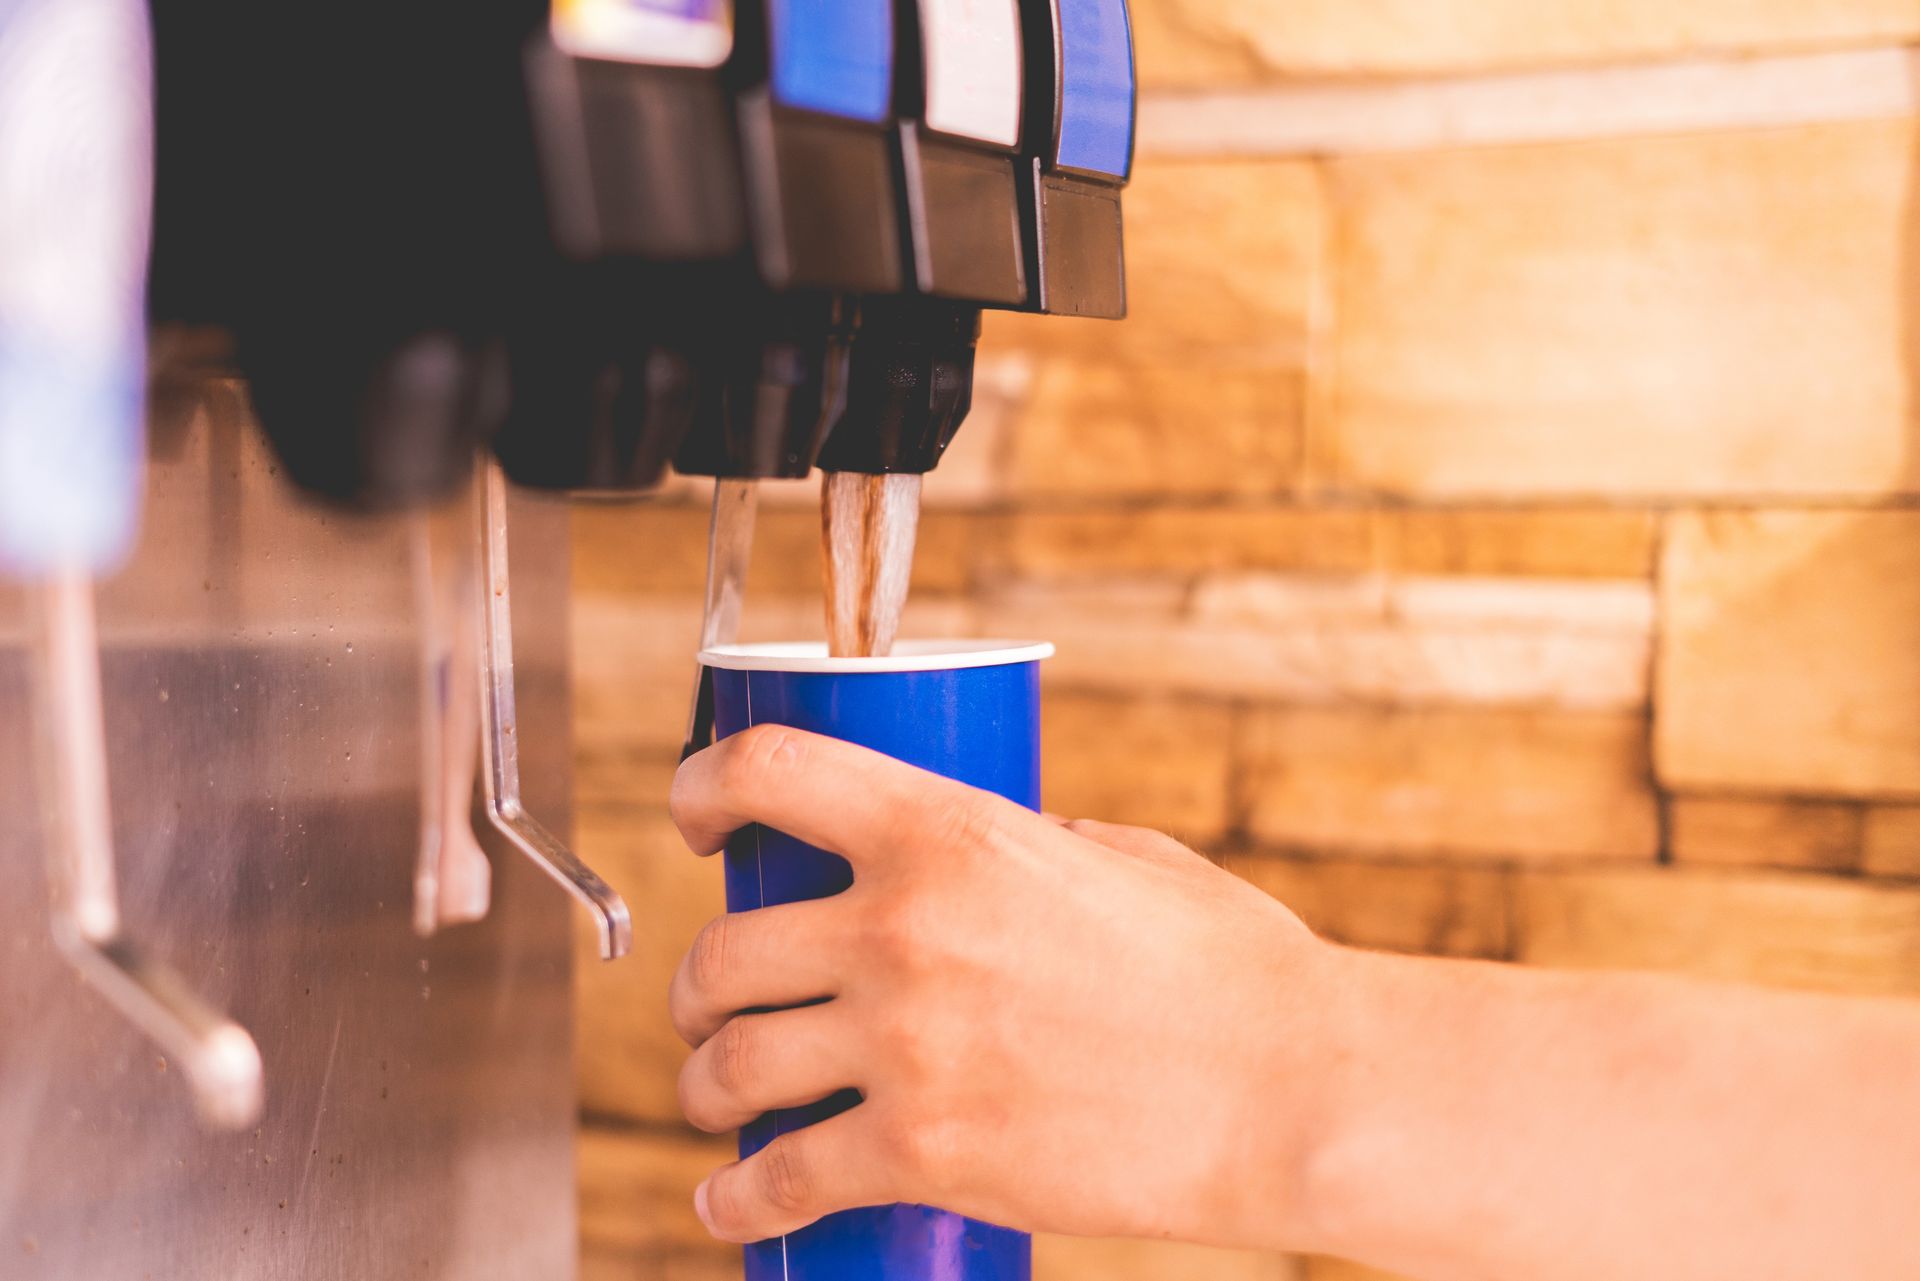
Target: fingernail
x,y
700,1203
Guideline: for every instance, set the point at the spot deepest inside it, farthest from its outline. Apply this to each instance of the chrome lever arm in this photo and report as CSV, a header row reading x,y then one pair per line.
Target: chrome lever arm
x,y
499,742
222,1062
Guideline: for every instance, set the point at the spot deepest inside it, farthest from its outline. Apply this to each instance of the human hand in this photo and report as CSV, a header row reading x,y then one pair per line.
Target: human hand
x,y
1068,1027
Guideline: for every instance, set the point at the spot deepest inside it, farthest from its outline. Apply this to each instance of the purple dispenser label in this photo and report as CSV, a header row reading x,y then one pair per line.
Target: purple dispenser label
x,y
979,725
687,33
833,56
1097,88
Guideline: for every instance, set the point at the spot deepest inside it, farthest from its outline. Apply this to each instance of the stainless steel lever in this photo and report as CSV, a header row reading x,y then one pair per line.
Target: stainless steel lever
x,y
453,881
221,1060
499,744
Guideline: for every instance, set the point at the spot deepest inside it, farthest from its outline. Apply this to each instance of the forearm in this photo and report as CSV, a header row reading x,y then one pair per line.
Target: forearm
x,y
1487,1122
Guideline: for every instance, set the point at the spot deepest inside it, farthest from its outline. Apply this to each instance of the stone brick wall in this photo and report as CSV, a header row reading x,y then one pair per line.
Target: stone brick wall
x,y
1493,544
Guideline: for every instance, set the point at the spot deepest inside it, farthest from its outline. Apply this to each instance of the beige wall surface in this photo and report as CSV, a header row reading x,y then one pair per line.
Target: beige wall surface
x,y
1506,551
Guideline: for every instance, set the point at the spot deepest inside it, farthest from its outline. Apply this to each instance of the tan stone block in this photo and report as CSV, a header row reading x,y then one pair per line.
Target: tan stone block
x,y
1225,259
1774,928
1765,833
1443,910
1892,844
1189,540
624,775
1790,653
1083,1259
1597,608
636,1205
1656,316
971,475
1122,428
1324,1269
601,1265
955,548
639,548
1332,639
1162,763
628,1056
1201,391
1467,784
1593,542
633,671
1201,44
661,549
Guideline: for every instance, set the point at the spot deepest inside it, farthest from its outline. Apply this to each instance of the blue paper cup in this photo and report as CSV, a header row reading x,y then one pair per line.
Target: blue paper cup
x,y
969,710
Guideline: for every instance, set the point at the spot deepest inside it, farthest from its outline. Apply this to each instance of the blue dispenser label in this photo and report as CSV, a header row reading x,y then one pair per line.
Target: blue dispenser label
x,y
680,33
833,56
1096,87
971,51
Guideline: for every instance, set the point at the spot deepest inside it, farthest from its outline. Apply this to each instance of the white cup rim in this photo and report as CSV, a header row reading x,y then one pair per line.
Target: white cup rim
x,y
811,657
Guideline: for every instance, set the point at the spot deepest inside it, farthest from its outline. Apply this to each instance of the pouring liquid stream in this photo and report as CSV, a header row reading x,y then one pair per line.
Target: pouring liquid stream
x,y
869,525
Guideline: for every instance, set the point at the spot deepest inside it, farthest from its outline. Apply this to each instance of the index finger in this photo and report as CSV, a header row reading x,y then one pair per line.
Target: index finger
x,y
830,794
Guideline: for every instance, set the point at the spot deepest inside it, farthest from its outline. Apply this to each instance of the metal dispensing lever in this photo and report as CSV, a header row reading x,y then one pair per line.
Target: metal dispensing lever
x,y
499,742
453,881
220,1058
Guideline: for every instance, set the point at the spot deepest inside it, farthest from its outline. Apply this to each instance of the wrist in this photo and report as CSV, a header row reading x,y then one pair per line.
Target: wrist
x,y
1320,1035
1397,1076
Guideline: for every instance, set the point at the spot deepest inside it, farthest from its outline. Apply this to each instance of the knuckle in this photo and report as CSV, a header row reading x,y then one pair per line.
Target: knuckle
x,y
924,1145
708,959
967,823
726,1204
786,1180
899,932
735,1057
695,1104
763,754
681,1011
680,800
913,1048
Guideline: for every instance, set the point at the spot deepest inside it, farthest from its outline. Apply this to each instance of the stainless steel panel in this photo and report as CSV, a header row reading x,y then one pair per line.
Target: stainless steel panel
x,y
262,719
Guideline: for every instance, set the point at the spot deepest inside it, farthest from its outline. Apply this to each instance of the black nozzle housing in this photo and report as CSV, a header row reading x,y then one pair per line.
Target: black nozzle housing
x,y
910,388
771,373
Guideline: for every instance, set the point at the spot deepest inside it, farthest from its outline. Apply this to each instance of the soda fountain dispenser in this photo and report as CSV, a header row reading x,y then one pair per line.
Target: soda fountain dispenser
x,y
425,250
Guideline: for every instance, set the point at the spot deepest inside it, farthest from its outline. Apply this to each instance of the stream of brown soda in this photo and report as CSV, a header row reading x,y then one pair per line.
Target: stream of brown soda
x,y
868,527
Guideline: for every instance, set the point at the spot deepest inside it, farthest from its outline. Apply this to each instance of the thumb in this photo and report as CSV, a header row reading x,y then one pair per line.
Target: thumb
x,y
794,1180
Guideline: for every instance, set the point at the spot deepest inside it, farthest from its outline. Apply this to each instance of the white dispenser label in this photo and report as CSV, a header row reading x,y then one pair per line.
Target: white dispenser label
x,y
680,33
971,50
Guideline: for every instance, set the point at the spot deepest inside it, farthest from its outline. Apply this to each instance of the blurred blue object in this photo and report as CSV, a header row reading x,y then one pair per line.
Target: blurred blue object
x,y
76,161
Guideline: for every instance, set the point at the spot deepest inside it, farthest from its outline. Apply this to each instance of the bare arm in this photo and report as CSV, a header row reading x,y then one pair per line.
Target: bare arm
x,y
1090,1029
1495,1122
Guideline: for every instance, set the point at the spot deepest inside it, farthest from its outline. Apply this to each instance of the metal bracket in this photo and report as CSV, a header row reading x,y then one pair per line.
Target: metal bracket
x,y
500,747
221,1060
